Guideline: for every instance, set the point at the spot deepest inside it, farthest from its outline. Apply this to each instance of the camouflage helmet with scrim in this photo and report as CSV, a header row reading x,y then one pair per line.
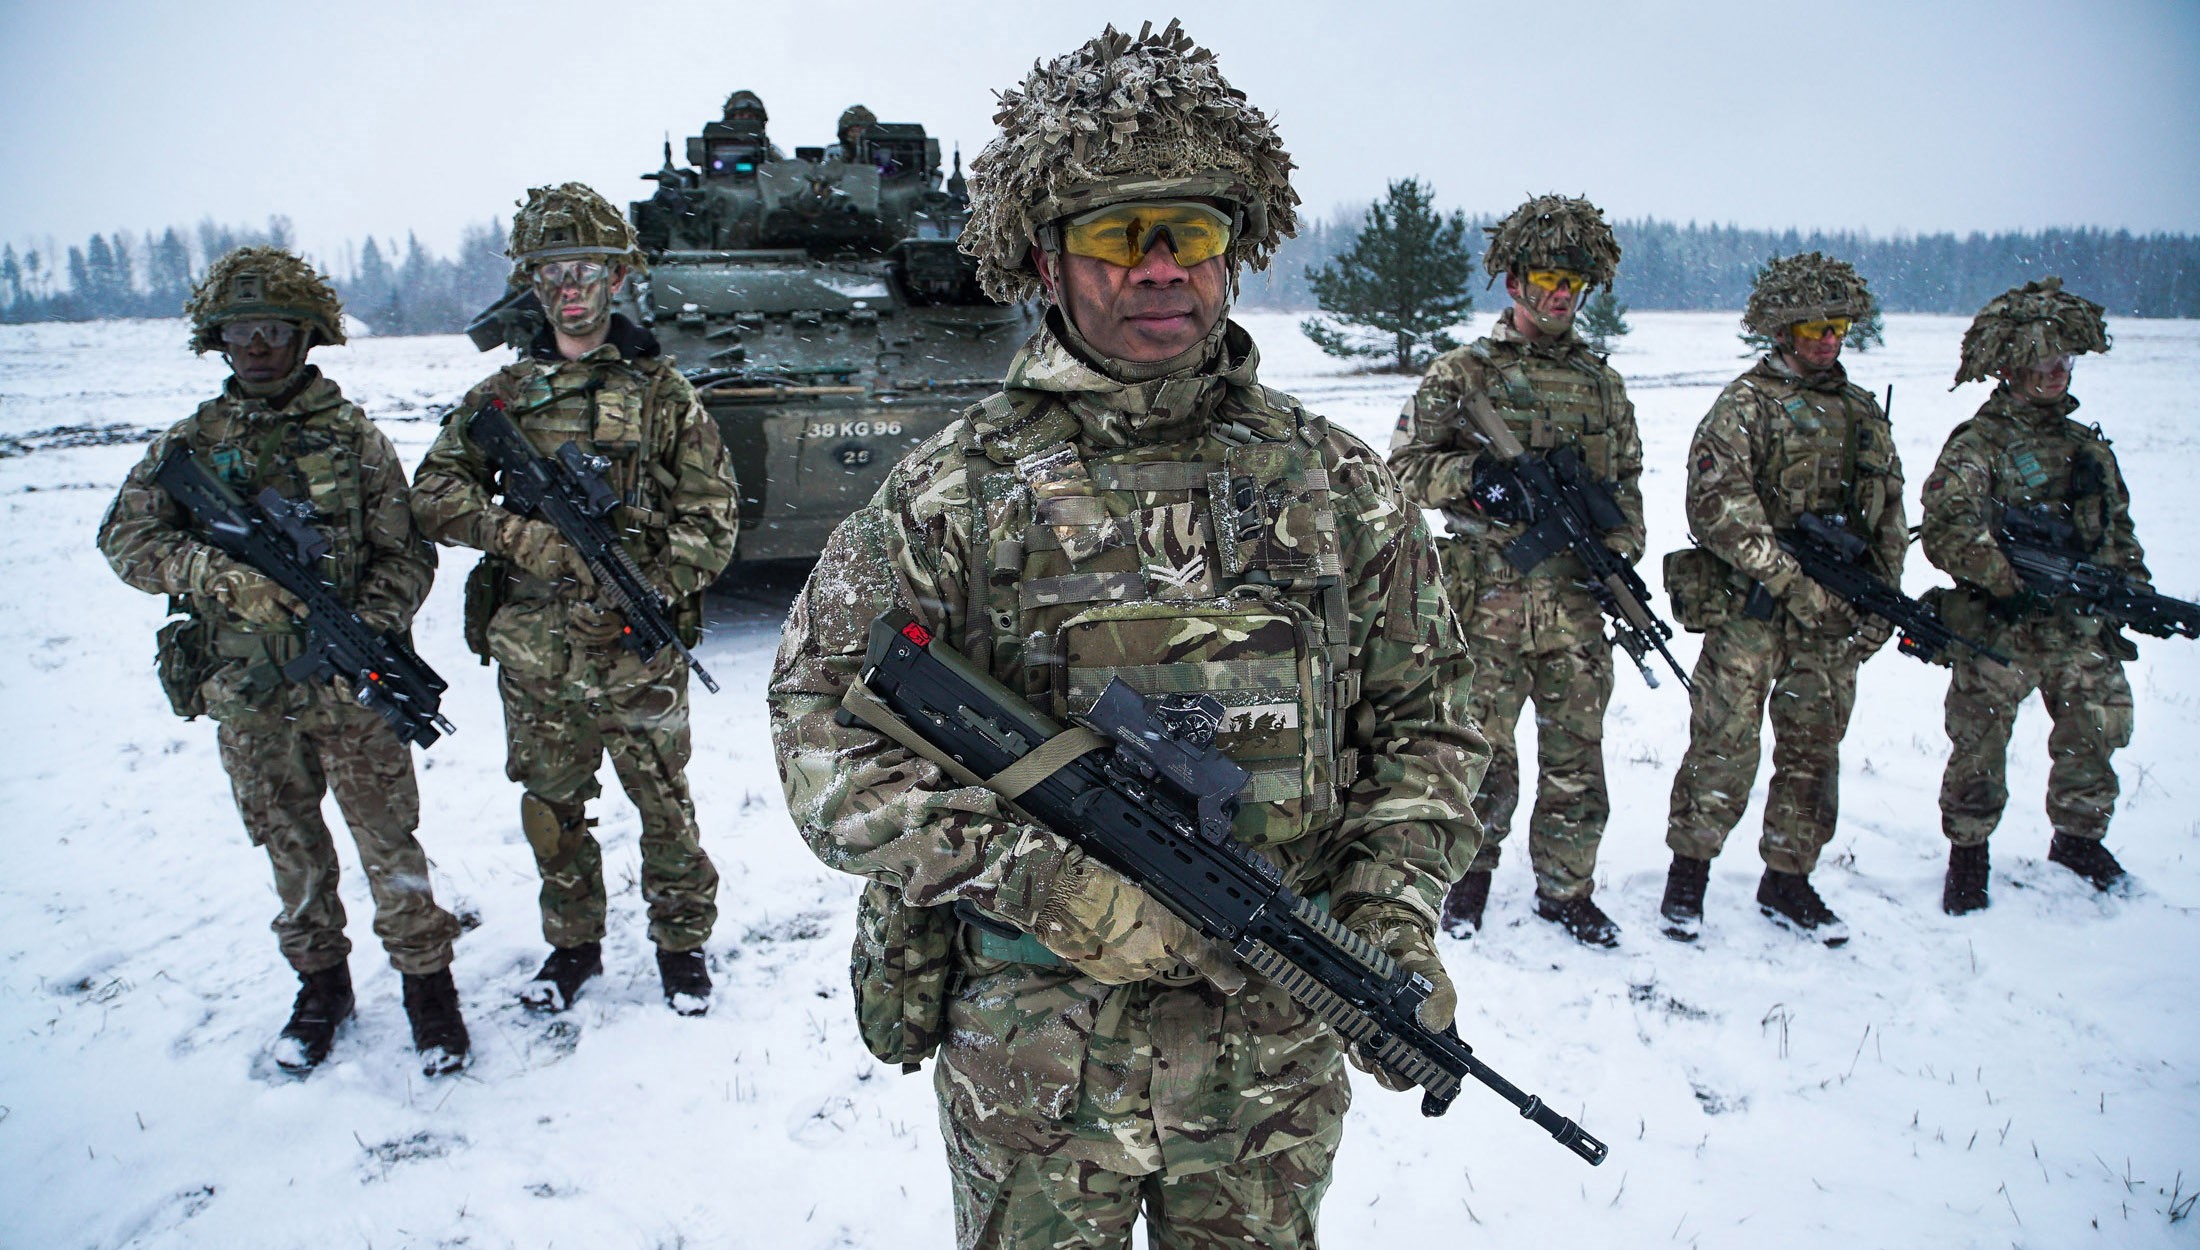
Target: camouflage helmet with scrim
x,y
256,283
1808,286
1121,119
2028,325
565,222
1553,232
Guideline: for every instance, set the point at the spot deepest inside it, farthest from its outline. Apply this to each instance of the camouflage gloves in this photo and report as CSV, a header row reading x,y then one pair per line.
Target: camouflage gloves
x,y
1407,936
1115,933
1497,492
1818,609
246,592
540,551
593,623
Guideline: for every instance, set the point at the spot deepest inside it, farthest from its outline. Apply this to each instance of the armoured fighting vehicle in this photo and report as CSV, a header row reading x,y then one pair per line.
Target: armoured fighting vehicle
x,y
818,304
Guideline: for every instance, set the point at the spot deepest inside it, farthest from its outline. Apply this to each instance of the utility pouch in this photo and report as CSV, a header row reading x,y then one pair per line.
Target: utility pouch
x,y
484,595
1963,610
1701,586
901,969
183,656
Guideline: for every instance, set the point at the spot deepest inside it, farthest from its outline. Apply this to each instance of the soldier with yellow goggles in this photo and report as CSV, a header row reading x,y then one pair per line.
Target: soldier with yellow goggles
x,y
1122,234
1838,327
1550,280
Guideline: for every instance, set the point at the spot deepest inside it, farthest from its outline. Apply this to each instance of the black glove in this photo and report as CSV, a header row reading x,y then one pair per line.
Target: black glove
x,y
1497,492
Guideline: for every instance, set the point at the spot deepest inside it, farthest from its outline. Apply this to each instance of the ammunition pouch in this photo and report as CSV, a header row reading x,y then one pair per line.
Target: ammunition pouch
x,y
485,587
1704,589
901,969
183,657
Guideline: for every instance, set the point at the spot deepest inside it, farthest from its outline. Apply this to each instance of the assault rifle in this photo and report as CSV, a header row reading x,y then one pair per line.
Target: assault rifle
x,y
569,491
1568,509
1834,558
272,535
1140,786
2050,560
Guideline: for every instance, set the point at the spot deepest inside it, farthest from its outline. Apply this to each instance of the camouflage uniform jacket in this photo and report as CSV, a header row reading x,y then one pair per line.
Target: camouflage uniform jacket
x,y
2024,455
1549,394
312,444
1776,445
1159,1074
624,401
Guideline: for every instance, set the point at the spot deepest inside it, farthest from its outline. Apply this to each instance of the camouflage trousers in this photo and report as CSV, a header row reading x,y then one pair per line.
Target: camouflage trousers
x,y
2087,698
557,732
280,766
1016,1200
1811,684
1539,640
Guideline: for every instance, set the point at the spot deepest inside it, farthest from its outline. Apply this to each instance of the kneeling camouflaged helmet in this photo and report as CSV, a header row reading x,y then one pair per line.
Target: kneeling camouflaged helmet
x,y
263,282
1123,119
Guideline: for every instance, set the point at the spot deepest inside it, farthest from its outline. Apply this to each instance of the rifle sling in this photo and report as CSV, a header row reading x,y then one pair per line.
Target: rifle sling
x,y
1010,783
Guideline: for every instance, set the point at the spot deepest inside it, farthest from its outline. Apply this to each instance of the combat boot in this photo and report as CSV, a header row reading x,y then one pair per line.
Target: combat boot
x,y
559,983
324,1001
1965,889
2086,857
1682,905
439,1030
686,976
1580,917
1790,900
1465,902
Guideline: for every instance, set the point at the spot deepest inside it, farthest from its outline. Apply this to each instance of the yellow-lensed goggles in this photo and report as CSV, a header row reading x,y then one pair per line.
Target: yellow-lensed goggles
x,y
1121,234
1552,279
1836,326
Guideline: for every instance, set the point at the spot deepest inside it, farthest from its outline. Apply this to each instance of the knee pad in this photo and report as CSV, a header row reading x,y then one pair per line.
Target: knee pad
x,y
547,825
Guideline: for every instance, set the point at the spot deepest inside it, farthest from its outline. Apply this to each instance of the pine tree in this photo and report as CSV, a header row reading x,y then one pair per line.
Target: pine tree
x,y
1603,319
1398,286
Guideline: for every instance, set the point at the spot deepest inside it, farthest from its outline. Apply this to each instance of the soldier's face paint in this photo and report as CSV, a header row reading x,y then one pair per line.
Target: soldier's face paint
x,y
269,351
1143,313
576,294
2044,382
1540,311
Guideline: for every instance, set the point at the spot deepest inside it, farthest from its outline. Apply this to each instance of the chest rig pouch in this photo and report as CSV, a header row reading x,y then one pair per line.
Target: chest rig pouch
x,y
1211,567
1831,454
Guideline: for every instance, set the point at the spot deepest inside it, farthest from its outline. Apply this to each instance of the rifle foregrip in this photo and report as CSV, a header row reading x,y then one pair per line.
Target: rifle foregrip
x,y
1351,1023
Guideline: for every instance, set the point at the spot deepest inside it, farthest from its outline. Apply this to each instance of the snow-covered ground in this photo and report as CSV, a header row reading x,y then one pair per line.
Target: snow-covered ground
x,y
2028,1076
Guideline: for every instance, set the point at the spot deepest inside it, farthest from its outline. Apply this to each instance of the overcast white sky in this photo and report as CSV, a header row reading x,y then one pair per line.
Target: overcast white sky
x,y
353,118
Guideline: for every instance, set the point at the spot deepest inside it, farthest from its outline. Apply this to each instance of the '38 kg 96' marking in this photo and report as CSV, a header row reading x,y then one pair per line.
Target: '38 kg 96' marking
x,y
851,429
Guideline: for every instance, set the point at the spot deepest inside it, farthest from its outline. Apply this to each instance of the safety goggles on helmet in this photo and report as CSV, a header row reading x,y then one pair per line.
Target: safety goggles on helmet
x,y
1814,330
1122,234
238,335
1552,279
557,274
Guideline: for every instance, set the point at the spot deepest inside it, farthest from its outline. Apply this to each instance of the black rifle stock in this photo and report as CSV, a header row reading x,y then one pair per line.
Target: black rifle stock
x,y
2050,560
1142,788
1834,558
271,535
569,492
1571,510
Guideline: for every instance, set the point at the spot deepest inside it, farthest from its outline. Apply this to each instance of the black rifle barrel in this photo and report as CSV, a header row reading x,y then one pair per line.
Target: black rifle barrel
x,y
568,491
1833,557
271,536
1142,798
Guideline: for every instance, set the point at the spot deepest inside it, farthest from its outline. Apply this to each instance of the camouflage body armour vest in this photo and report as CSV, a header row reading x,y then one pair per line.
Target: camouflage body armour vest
x,y
605,407
1207,565
1546,402
2057,468
307,450
1828,452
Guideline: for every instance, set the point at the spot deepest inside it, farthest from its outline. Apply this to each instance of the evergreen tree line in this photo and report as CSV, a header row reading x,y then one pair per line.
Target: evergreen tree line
x,y
1671,266
391,289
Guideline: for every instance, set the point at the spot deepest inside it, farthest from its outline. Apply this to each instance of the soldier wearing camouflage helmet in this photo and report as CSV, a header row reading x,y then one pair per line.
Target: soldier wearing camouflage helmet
x,y
854,120
1133,502
1791,436
1537,635
572,692
2025,451
279,424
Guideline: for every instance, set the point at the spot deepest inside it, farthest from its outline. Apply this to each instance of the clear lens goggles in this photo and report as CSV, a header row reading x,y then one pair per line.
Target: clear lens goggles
x,y
559,274
238,335
1121,234
1552,279
1838,327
